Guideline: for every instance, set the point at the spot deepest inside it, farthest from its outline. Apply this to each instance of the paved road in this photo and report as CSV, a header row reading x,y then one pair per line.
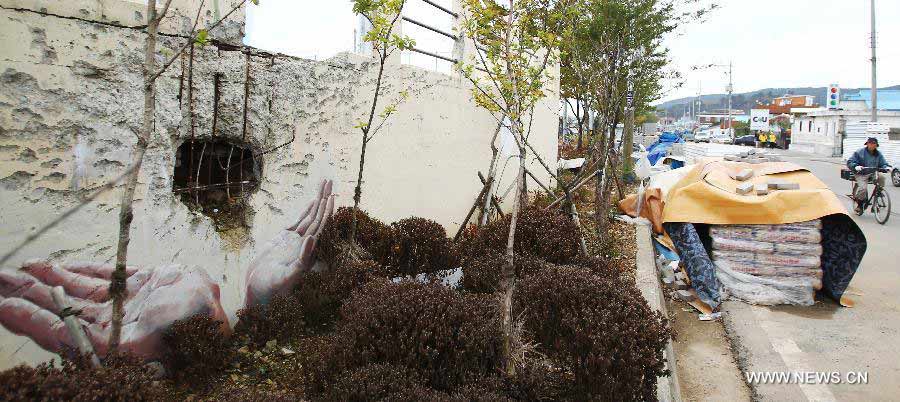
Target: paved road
x,y
826,337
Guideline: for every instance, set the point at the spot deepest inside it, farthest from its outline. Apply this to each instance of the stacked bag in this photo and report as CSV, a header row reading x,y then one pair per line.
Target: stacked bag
x,y
769,264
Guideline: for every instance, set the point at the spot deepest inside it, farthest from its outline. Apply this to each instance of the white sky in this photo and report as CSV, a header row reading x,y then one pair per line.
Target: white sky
x,y
319,29
788,43
773,43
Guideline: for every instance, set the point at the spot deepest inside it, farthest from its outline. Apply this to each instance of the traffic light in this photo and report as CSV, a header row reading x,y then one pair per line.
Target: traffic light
x,y
833,97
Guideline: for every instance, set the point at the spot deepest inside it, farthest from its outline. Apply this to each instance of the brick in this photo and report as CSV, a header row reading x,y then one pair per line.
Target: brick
x,y
745,188
762,189
744,174
788,186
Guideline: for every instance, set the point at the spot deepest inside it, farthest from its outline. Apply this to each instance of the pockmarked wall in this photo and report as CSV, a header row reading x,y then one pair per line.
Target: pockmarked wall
x,y
71,104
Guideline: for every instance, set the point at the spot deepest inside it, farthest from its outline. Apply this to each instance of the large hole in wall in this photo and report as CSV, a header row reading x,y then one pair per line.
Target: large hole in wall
x,y
216,178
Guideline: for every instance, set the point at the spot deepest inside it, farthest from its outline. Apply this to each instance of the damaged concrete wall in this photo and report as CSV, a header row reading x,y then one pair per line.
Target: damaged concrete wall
x,y
71,104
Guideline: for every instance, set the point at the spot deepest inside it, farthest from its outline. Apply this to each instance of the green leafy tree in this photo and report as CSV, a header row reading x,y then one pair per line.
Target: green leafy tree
x,y
515,43
611,47
383,16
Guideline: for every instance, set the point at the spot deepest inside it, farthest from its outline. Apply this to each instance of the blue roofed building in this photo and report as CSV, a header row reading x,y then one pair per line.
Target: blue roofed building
x,y
888,99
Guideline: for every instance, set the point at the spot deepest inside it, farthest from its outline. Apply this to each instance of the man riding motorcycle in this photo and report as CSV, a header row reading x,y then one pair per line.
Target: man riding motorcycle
x,y
867,157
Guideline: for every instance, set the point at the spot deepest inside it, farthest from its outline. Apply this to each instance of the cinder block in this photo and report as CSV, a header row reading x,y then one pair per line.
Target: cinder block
x,y
745,188
788,186
762,189
744,174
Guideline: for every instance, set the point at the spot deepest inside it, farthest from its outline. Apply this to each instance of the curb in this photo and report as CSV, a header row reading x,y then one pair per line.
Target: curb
x,y
668,389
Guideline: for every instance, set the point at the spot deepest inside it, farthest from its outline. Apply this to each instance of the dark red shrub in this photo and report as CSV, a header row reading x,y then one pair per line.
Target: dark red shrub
x,y
321,294
420,246
441,334
374,382
599,328
196,349
122,378
372,236
280,320
482,273
549,235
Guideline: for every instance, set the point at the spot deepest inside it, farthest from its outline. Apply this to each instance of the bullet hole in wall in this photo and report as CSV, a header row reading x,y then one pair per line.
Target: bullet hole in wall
x,y
216,177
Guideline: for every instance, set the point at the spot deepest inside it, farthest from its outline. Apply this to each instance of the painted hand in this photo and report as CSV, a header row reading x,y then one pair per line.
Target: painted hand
x,y
157,297
280,262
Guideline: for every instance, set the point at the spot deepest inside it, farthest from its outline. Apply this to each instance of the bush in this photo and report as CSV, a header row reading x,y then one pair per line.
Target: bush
x,y
482,273
549,235
280,320
599,328
122,378
443,335
321,294
420,246
196,349
374,382
372,236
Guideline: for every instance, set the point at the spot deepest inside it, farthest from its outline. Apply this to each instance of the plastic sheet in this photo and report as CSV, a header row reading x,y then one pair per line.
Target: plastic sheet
x,y
757,270
769,259
765,290
729,244
768,233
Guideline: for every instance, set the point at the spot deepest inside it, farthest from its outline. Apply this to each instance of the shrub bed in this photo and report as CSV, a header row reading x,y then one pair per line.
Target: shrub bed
x,y
321,294
445,336
372,235
600,328
196,350
548,234
122,378
420,246
281,320
482,273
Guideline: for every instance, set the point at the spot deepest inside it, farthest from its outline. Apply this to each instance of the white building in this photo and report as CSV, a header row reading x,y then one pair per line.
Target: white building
x,y
821,131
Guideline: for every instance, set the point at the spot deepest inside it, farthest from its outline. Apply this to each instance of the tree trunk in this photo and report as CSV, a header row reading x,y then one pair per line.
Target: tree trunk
x,y
117,288
508,279
601,214
628,144
492,171
357,192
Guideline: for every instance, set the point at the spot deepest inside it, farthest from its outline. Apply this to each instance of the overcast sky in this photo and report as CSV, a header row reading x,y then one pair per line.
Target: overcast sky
x,y
319,29
788,43
773,43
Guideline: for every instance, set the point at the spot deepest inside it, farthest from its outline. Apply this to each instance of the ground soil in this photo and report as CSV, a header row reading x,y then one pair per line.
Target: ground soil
x,y
707,370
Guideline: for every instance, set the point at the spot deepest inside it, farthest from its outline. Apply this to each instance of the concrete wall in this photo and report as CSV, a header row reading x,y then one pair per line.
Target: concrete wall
x,y
825,136
71,103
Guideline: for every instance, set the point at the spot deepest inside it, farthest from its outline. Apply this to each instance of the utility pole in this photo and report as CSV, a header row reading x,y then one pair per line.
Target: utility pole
x,y
874,69
730,92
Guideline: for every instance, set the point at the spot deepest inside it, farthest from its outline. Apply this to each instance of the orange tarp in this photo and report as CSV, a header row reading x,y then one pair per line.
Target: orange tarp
x,y
708,194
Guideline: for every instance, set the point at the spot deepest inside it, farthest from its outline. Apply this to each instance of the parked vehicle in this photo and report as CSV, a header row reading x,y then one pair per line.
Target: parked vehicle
x,y
746,140
895,177
688,135
721,138
702,136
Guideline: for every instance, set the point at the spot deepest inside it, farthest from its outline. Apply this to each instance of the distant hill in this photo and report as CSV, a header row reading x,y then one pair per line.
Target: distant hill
x,y
746,100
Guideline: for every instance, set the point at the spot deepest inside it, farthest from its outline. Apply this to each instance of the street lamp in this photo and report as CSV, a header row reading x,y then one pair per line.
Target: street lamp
x,y
730,88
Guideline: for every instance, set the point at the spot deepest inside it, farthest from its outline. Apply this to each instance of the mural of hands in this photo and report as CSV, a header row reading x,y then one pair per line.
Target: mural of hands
x,y
279,264
157,297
